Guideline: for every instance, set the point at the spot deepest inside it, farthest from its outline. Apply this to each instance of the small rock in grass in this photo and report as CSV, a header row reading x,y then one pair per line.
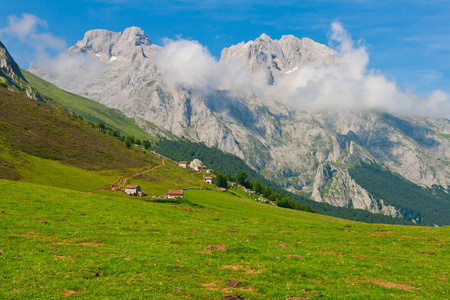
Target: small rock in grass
x,y
3,212
233,283
216,247
43,222
283,245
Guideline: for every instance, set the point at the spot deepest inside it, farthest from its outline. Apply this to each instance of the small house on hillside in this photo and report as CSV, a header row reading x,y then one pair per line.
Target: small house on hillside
x,y
209,180
175,194
183,164
210,171
201,168
134,190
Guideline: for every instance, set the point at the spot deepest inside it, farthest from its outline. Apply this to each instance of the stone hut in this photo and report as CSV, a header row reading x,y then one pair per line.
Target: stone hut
x,y
175,194
210,180
201,169
134,190
183,164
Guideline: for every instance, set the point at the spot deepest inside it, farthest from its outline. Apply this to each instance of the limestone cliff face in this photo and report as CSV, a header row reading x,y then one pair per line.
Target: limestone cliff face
x,y
301,151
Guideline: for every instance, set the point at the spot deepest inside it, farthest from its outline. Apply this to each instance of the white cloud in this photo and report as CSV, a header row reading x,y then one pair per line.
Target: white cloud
x,y
189,64
350,85
347,85
30,30
26,28
69,66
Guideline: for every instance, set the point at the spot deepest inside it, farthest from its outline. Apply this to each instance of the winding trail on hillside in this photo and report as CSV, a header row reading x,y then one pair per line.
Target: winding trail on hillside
x,y
122,181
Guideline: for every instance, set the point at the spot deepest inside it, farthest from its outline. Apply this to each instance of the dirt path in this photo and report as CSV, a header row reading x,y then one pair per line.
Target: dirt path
x,y
122,181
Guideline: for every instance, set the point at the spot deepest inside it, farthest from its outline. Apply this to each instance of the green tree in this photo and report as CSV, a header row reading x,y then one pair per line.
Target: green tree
x,y
146,144
266,191
257,187
131,139
127,143
221,181
241,176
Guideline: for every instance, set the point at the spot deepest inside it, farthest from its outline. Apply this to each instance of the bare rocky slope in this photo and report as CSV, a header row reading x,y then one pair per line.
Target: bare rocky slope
x,y
302,151
11,76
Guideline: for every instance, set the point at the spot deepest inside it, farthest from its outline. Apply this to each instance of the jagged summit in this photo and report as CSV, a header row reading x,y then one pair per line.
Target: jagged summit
x,y
278,57
109,46
264,37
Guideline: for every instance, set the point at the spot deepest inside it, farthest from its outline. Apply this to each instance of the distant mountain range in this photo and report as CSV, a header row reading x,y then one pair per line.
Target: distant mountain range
x,y
313,152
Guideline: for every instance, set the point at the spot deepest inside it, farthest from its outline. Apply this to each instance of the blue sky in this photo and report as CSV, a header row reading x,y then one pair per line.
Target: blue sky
x,y
408,41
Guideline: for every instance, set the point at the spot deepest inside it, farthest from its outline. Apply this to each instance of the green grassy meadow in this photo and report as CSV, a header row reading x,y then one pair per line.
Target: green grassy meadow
x,y
58,243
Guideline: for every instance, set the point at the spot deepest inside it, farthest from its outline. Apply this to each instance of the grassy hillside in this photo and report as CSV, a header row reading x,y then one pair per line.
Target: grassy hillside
x,y
48,146
88,109
57,242
47,132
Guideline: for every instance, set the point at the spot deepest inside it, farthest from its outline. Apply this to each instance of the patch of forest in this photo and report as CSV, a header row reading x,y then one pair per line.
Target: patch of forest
x,y
427,206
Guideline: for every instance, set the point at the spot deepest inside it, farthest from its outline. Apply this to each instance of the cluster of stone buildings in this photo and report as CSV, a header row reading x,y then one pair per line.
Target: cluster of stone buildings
x,y
135,190
185,164
200,168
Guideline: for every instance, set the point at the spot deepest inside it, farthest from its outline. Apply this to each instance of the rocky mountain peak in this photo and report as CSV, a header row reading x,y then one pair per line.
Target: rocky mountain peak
x,y
134,35
264,37
279,57
109,46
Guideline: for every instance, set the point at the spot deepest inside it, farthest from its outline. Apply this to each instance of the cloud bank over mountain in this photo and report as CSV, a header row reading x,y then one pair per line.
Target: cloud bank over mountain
x,y
346,85
189,64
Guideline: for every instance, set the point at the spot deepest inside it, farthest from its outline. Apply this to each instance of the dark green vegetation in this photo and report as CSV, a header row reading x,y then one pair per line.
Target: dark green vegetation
x,y
57,242
88,109
230,165
425,206
212,157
